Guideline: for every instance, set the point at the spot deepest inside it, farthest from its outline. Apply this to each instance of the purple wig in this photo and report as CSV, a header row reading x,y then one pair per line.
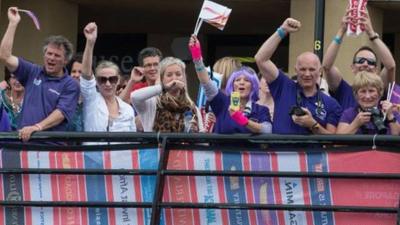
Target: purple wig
x,y
251,75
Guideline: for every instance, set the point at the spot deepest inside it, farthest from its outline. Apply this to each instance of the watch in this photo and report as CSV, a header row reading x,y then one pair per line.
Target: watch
x,y
375,36
315,126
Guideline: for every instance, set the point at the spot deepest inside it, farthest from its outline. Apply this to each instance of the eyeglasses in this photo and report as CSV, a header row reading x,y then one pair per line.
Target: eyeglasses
x,y
361,60
149,65
103,80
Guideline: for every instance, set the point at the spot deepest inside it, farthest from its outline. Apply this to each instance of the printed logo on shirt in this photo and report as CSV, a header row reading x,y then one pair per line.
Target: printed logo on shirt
x,y
54,91
37,81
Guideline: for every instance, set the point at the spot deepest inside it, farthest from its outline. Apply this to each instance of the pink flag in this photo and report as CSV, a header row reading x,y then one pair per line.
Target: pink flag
x,y
32,16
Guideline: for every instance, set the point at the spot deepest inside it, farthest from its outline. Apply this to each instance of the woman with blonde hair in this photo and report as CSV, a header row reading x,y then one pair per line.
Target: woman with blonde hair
x,y
103,110
226,66
371,115
163,107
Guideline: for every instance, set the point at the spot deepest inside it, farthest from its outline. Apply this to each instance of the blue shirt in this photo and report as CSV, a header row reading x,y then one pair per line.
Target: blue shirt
x,y
344,95
225,125
4,120
284,92
44,94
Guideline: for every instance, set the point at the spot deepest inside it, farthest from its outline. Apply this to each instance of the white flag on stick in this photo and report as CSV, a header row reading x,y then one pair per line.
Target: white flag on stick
x,y
213,13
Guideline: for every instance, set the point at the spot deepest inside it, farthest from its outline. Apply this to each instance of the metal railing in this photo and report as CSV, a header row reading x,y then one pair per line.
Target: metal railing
x,y
210,142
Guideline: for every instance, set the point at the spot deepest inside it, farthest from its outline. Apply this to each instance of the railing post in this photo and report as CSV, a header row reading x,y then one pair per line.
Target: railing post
x,y
160,179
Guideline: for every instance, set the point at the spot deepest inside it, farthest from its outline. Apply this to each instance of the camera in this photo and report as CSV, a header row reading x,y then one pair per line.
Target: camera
x,y
297,110
377,119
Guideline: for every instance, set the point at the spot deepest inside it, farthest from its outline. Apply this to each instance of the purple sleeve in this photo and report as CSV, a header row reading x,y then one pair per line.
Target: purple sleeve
x,y
278,86
263,114
4,120
348,116
344,95
335,114
219,102
69,100
24,70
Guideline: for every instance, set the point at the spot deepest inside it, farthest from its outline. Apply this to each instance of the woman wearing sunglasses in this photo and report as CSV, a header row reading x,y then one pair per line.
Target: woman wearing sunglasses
x,y
103,110
165,107
249,117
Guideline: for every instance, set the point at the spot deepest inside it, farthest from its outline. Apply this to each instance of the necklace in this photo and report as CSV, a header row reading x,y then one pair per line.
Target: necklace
x,y
16,107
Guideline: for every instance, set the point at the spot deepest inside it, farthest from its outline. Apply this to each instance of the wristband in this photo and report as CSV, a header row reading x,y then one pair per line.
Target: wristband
x,y
239,118
195,50
315,126
337,39
393,120
376,36
38,126
281,32
199,65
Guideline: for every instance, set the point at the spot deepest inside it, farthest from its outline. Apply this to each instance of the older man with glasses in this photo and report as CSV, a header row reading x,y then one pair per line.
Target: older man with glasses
x,y
365,59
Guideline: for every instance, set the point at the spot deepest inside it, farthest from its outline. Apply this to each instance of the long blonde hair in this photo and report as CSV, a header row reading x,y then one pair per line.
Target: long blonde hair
x,y
226,66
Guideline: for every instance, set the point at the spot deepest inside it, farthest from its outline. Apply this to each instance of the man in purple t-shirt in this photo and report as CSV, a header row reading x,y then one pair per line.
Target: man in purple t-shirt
x,y
51,95
364,59
316,113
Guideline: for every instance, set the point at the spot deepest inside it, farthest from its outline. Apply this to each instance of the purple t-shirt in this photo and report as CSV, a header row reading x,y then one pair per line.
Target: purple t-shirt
x,y
344,95
284,92
4,120
225,125
350,114
44,94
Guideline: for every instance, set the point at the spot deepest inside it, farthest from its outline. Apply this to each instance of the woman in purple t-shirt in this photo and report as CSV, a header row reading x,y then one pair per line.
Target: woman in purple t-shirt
x,y
249,117
371,115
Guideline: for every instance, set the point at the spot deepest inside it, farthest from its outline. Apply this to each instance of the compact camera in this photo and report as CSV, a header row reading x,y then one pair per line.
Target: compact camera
x,y
297,110
377,119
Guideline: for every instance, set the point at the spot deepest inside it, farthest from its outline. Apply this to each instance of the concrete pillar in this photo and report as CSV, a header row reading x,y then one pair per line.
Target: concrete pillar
x,y
304,10
57,17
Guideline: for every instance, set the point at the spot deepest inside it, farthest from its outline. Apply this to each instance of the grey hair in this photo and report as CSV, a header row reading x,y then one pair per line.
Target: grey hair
x,y
107,64
168,61
60,41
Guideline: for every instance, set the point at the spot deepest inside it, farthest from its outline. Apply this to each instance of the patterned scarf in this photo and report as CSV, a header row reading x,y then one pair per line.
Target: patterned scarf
x,y
170,113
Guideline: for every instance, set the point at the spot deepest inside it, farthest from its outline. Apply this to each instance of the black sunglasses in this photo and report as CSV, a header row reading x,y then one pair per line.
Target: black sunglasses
x,y
361,60
103,80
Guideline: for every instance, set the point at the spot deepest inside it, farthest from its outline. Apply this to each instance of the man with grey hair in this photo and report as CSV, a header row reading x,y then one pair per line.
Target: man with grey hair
x,y
51,95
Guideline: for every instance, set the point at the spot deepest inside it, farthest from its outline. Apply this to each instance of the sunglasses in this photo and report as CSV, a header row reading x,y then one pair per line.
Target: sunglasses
x,y
361,60
103,80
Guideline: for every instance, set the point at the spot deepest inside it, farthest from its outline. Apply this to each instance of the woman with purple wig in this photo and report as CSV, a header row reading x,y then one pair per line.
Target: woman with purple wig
x,y
251,117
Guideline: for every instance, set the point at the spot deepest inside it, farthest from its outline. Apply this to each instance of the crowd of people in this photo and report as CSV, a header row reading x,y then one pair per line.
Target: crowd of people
x,y
67,94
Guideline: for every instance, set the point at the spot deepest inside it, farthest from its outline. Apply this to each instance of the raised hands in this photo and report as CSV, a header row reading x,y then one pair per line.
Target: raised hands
x,y
195,48
291,25
365,21
13,15
90,32
137,74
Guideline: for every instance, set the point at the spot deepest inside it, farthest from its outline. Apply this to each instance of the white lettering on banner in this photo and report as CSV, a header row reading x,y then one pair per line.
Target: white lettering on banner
x,y
209,198
291,188
98,216
382,195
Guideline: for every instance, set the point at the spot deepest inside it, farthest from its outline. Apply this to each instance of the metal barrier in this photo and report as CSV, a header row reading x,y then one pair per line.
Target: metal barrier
x,y
175,141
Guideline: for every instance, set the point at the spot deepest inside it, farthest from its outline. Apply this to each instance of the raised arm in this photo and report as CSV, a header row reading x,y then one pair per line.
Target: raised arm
x,y
210,89
90,32
136,76
264,54
382,51
6,57
332,74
